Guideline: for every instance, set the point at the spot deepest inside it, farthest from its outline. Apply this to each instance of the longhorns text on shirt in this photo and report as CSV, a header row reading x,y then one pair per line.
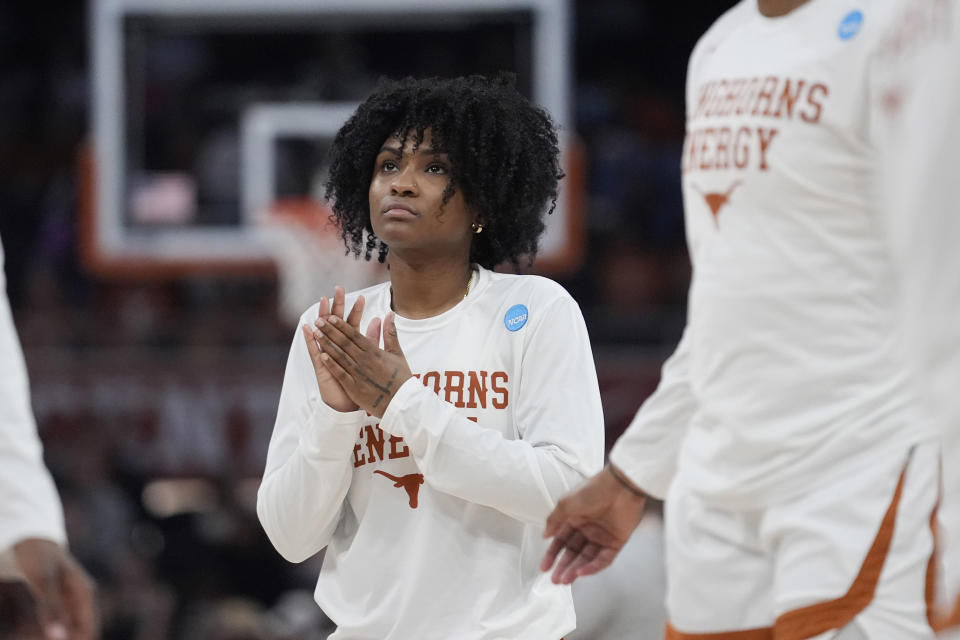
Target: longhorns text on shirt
x,y
470,390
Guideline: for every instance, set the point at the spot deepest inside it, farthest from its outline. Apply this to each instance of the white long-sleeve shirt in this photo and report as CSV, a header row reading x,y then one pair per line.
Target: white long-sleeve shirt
x,y
432,520
29,504
791,369
918,108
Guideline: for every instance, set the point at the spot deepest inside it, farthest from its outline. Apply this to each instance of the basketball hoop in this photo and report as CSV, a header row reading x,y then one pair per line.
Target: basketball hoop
x,y
310,255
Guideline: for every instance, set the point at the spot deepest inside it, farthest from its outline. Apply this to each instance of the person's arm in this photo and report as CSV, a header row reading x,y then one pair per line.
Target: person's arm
x,y
590,526
29,504
309,461
915,99
559,419
32,534
556,406
647,452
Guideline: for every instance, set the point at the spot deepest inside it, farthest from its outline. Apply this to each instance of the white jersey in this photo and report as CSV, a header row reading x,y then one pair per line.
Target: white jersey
x,y
790,371
918,105
433,519
29,504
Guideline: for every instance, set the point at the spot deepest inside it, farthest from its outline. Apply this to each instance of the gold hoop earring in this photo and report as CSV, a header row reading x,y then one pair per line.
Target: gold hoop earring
x,y
477,228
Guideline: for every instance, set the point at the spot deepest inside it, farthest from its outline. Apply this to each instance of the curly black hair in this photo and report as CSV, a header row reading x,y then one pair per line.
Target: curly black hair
x,y
503,153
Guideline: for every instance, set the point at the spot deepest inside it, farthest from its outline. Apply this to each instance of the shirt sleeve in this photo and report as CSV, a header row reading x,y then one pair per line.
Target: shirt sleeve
x,y
29,504
647,452
559,424
917,105
309,468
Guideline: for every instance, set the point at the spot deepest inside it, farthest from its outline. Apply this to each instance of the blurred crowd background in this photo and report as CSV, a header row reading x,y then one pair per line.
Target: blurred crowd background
x,y
155,397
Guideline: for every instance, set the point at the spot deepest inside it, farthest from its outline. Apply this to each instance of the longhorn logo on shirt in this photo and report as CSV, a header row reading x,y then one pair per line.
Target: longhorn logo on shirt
x,y
716,201
411,482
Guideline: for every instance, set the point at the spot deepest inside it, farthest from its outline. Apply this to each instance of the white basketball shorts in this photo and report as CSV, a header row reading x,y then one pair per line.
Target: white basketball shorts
x,y
851,555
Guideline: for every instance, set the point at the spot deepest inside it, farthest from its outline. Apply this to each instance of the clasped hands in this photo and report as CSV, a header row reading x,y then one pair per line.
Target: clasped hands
x,y
352,370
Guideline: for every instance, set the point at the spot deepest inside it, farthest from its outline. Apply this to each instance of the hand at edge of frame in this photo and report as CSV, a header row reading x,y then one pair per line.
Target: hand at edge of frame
x,y
64,593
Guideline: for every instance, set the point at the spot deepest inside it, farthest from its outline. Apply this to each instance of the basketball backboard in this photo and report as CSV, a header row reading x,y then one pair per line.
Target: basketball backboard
x,y
205,111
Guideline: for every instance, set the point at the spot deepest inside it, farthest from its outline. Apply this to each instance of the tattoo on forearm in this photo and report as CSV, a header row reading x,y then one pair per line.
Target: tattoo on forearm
x,y
372,382
383,389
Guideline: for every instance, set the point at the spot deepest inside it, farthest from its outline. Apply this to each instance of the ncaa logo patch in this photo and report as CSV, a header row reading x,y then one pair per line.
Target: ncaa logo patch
x,y
850,25
516,317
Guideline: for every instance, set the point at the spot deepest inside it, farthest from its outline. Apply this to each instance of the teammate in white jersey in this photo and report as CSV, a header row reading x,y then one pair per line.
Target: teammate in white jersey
x,y
32,535
427,467
917,107
800,476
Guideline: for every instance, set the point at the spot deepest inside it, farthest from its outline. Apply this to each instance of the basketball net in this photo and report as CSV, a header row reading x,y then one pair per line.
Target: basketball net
x,y
310,256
